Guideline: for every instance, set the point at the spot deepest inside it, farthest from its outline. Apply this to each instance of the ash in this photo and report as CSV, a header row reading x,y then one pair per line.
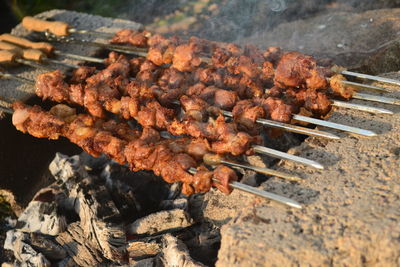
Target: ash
x,y
99,213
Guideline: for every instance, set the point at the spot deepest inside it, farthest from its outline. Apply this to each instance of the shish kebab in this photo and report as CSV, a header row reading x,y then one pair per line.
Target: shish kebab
x,y
290,69
144,150
60,28
297,117
335,103
49,84
49,49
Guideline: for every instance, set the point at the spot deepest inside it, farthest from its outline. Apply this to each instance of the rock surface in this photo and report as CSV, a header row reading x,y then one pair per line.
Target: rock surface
x,y
78,20
166,220
348,38
351,215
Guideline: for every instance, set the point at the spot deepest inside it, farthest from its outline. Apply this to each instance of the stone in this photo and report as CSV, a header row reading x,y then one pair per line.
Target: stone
x,y
75,19
23,252
42,217
350,215
175,253
349,38
139,250
162,221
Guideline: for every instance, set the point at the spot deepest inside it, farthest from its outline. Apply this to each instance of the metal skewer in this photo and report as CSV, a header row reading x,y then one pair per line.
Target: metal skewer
x,y
342,104
364,86
334,125
376,98
260,151
370,77
290,128
259,192
282,155
214,159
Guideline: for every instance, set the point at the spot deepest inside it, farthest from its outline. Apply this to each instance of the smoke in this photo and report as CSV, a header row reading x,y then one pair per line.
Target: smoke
x,y
277,5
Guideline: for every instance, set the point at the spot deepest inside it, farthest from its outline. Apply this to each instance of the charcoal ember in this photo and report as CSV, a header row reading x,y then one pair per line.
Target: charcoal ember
x,y
93,163
123,194
180,203
79,248
175,253
149,262
100,220
47,246
8,264
162,221
42,217
66,262
139,250
65,168
18,242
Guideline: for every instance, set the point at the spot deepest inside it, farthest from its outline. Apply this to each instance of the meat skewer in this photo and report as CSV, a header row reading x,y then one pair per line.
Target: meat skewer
x,y
61,121
266,151
135,38
310,132
58,28
353,84
48,48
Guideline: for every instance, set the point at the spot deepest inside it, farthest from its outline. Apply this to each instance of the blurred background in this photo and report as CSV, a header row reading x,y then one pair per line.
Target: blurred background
x,y
225,20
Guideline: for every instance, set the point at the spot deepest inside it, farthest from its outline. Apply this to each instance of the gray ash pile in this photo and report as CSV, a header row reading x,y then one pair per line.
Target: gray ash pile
x,y
98,212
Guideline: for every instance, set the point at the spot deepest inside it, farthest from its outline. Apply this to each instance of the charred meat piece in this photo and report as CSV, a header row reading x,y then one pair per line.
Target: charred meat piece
x,y
131,37
185,58
36,122
224,175
276,109
297,70
246,112
340,89
318,103
80,74
51,85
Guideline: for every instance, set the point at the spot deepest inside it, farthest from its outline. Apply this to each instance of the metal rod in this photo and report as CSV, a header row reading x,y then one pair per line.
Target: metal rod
x,y
79,57
15,77
6,110
259,192
62,63
265,171
262,193
371,77
118,48
291,128
334,125
100,34
376,98
342,104
365,86
33,64
282,155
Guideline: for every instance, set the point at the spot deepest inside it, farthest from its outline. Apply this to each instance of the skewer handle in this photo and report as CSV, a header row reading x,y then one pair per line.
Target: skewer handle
x,y
58,28
10,47
7,57
28,54
43,46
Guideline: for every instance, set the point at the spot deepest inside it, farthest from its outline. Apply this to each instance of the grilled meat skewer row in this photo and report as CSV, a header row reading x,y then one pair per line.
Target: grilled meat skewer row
x,y
138,150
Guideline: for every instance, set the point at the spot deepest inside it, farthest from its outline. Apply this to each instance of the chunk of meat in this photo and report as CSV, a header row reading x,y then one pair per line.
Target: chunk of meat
x,y
297,70
339,88
185,58
224,175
